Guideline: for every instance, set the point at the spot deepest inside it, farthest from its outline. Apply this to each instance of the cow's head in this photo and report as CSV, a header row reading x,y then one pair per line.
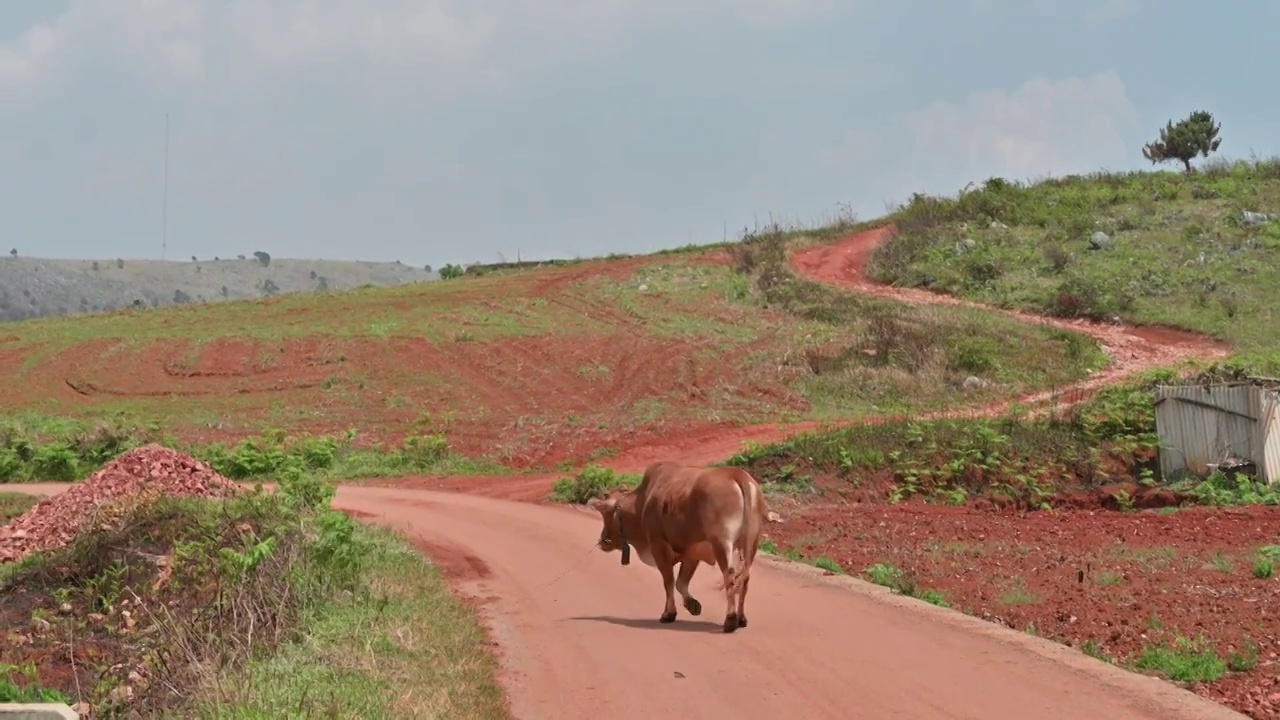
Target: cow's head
x,y
612,535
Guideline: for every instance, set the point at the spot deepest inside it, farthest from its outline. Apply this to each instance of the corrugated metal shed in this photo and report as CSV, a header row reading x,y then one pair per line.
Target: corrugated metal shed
x,y
1200,426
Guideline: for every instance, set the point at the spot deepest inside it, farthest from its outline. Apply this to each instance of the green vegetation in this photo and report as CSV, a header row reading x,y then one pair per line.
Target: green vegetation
x,y
14,504
1264,563
1196,135
34,448
865,355
902,583
949,462
258,605
1196,251
1184,661
591,482
410,650
1028,463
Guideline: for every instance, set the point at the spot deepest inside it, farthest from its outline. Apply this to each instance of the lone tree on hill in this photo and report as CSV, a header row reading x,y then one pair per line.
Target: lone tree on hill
x,y
1197,135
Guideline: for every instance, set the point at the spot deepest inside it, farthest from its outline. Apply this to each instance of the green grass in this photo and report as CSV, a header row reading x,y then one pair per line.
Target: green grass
x,y
863,355
262,605
1184,661
902,583
950,461
14,504
36,448
1032,251
410,650
591,482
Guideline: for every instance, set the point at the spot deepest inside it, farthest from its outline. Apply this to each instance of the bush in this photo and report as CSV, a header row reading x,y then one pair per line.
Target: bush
x,y
172,593
592,482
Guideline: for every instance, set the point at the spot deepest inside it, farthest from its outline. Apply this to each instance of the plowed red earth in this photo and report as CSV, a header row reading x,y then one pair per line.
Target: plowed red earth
x,y
579,634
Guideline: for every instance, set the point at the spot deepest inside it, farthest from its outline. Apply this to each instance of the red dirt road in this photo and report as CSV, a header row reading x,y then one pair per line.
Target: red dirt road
x,y
579,635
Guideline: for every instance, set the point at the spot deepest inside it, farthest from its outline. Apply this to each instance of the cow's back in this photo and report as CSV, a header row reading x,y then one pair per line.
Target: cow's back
x,y
688,507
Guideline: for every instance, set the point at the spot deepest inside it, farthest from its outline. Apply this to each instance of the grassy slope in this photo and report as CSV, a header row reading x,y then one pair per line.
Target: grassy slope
x,y
416,652
40,287
1180,254
392,361
1031,250
267,606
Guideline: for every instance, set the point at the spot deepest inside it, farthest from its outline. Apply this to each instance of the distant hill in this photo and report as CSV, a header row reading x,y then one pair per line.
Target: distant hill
x,y
41,287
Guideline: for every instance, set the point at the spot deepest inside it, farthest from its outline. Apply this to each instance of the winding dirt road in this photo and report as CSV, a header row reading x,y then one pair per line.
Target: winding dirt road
x,y
579,635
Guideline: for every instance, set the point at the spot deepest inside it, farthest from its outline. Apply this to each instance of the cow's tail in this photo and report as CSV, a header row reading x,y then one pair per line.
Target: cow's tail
x,y
748,540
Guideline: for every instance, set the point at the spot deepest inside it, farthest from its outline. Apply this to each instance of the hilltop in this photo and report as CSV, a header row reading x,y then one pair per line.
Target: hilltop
x,y
42,287
1196,251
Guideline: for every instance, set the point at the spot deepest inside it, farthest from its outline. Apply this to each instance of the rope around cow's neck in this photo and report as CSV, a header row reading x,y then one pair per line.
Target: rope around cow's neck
x,y
571,568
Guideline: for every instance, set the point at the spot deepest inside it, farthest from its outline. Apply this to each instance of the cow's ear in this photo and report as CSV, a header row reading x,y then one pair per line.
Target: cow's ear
x,y
603,505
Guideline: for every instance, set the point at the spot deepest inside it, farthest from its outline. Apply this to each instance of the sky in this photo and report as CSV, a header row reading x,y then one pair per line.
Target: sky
x,y
437,131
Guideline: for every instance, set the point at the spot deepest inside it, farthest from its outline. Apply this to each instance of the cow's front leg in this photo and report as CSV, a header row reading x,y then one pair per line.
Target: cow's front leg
x,y
663,559
687,568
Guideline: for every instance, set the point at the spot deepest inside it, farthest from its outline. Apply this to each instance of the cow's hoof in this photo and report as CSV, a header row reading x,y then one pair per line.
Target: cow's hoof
x,y
731,623
693,606
742,621
667,618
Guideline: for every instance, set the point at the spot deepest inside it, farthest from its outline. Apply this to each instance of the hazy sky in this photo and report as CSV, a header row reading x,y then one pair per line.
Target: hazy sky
x,y
460,130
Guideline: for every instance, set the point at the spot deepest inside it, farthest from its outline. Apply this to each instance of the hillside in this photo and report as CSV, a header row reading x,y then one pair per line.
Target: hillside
x,y
531,367
1196,251
41,287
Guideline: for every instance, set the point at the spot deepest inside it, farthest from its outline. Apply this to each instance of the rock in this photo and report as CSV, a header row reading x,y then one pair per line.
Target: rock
x,y
997,225
1248,217
144,471
1100,240
973,382
122,694
773,517
643,288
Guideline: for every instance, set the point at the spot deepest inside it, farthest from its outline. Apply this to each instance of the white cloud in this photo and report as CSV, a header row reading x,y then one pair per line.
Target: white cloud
x,y
445,42
1043,127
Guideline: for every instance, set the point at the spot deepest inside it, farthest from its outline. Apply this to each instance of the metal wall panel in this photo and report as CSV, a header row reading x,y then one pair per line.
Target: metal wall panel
x,y
1201,425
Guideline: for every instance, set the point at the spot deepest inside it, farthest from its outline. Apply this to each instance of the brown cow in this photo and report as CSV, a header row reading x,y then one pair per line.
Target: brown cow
x,y
687,514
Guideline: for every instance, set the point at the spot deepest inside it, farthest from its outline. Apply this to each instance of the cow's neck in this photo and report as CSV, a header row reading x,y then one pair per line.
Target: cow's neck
x,y
631,528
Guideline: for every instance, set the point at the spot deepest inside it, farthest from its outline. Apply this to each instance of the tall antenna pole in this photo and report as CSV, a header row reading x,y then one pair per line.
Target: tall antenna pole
x,y
164,213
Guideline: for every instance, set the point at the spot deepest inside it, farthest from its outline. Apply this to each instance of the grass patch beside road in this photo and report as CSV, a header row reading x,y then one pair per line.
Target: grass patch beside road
x,y
264,605
410,649
14,504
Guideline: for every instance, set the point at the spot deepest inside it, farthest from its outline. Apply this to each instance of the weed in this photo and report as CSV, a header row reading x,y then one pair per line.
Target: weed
x,y
1244,659
826,563
1094,650
1185,661
593,481
14,504
1018,594
1220,562
1108,578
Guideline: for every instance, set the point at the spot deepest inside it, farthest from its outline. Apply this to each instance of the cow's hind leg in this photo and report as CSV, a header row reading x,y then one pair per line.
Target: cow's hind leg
x,y
723,559
687,568
662,558
742,601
